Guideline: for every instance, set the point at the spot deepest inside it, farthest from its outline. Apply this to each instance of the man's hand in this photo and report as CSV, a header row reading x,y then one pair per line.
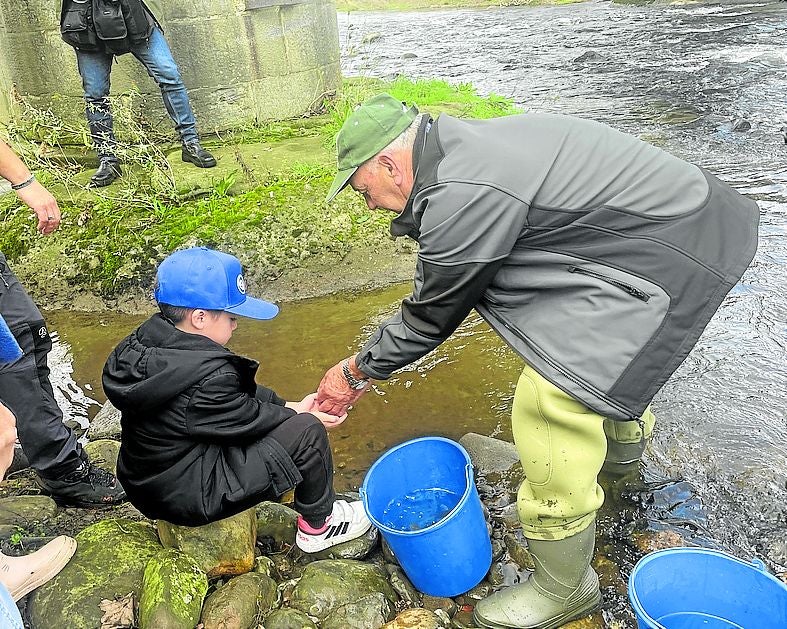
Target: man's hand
x,y
309,405
7,438
41,201
335,395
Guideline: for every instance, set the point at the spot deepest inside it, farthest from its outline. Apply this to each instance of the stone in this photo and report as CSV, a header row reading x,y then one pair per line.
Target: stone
x,y
489,455
288,618
221,548
237,603
402,586
277,522
173,588
22,510
369,612
104,453
329,584
415,619
436,603
109,563
266,565
106,423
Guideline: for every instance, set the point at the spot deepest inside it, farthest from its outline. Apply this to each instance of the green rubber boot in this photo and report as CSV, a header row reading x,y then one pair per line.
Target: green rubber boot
x,y
626,442
562,588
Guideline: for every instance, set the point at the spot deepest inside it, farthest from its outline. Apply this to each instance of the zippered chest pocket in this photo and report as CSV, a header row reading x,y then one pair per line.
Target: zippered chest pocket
x,y
628,288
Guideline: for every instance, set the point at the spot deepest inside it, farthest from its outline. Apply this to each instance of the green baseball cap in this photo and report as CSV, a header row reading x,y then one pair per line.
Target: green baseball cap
x,y
373,125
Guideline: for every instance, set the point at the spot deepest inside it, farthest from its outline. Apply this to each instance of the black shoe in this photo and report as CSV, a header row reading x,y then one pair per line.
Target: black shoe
x,y
194,153
87,486
19,463
108,171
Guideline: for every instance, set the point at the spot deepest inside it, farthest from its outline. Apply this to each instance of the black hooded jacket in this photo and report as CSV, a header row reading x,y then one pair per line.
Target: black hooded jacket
x,y
194,425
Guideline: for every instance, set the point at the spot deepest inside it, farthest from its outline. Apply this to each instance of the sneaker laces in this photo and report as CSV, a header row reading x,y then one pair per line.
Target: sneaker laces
x,y
98,476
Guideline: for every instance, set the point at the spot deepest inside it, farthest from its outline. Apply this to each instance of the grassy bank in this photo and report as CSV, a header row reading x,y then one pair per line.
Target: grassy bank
x,y
264,202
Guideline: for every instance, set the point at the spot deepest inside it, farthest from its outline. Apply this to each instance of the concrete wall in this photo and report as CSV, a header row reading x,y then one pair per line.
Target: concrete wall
x,y
242,60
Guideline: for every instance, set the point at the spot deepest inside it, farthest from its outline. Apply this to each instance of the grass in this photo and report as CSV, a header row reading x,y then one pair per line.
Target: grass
x,y
111,240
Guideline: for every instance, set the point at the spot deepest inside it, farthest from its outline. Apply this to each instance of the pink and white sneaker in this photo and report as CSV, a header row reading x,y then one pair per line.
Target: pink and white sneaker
x,y
347,521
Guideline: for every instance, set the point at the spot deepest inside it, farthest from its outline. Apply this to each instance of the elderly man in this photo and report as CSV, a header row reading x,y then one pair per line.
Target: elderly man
x,y
63,467
598,258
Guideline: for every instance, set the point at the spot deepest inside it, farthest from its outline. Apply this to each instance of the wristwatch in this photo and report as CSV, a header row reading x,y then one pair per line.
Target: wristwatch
x,y
355,383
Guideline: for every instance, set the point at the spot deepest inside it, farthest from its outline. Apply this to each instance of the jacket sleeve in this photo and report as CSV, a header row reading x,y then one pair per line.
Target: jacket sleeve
x,y
219,412
265,394
467,231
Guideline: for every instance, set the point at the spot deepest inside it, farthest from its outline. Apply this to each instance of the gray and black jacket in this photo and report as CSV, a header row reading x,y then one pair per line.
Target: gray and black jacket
x,y
597,257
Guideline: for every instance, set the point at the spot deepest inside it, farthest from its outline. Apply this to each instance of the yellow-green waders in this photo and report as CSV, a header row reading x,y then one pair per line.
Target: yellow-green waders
x,y
562,445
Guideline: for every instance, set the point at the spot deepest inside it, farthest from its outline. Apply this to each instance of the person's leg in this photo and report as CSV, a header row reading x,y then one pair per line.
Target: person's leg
x,y
306,441
157,58
95,68
626,442
561,444
10,617
50,446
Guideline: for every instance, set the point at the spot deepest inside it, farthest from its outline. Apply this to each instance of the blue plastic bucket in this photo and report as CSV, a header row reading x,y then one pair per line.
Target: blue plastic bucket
x,y
422,497
688,588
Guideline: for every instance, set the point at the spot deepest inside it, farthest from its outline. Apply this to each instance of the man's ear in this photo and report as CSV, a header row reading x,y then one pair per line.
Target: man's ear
x,y
391,166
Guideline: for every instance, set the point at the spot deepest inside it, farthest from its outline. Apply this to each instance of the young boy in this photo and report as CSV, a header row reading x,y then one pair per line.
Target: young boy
x,y
201,440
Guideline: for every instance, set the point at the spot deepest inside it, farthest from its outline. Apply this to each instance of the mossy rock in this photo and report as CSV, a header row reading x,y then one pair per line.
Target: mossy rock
x,y
221,548
277,522
288,618
104,453
370,611
173,589
109,562
237,603
22,510
329,584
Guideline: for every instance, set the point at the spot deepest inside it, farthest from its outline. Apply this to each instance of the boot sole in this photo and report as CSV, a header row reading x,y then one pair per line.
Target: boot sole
x,y
57,563
552,623
197,163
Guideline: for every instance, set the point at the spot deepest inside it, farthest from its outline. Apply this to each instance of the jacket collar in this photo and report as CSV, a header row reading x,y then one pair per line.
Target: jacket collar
x,y
405,224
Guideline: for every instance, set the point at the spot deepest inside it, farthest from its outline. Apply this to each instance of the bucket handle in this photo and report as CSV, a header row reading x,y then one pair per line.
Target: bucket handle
x,y
758,563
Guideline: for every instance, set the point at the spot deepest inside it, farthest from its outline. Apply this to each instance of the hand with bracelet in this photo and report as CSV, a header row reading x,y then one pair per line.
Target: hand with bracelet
x,y
32,193
341,386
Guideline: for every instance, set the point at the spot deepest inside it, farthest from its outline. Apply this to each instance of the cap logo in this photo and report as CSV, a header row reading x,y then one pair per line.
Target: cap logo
x,y
241,283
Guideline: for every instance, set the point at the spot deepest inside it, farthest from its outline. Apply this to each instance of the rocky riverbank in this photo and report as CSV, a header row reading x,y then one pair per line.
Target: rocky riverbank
x,y
245,572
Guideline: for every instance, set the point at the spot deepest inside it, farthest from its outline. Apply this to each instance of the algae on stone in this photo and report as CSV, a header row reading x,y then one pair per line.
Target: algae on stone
x,y
109,562
237,603
173,589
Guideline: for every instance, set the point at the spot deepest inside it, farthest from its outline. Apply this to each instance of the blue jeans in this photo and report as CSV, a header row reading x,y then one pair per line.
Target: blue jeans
x,y
155,55
10,618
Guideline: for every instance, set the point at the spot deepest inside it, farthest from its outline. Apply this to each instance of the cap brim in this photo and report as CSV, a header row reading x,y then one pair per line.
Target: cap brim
x,y
254,308
339,182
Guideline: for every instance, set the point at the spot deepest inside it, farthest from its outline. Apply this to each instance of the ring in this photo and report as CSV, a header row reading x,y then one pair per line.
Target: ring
x,y
50,218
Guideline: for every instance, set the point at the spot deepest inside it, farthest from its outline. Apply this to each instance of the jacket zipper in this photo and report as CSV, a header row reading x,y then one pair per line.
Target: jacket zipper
x,y
628,288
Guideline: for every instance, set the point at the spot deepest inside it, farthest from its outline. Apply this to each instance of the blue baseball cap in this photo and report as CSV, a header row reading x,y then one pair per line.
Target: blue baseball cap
x,y
208,279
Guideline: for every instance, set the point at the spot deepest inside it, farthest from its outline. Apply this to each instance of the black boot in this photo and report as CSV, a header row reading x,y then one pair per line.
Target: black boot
x,y
87,486
194,153
108,171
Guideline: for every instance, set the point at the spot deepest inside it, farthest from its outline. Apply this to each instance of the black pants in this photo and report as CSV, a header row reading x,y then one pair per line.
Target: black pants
x,y
306,441
50,446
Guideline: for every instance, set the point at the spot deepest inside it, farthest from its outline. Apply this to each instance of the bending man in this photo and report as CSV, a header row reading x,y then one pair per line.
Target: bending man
x,y
597,257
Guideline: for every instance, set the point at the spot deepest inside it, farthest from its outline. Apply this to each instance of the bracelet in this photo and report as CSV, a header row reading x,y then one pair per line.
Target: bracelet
x,y
355,383
24,184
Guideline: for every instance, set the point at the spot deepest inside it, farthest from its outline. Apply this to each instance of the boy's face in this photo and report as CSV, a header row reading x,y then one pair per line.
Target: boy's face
x,y
219,329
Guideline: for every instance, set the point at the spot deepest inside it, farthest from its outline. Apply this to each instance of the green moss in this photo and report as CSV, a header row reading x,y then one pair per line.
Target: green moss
x,y
264,202
173,585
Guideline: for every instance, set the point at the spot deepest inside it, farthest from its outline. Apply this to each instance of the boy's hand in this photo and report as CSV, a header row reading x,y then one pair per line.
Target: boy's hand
x,y
7,438
41,201
329,421
335,395
309,405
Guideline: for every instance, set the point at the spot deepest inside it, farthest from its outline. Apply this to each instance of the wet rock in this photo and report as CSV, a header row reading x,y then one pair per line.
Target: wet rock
x,y
409,55
588,55
648,541
371,37
288,618
104,454
356,548
402,586
508,516
221,548
237,603
516,545
109,562
106,423
277,522
173,588
437,603
740,125
22,510
265,565
415,619
369,612
331,583
489,455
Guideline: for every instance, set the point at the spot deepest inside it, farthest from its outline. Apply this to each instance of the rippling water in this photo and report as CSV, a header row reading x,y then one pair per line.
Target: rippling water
x,y
682,77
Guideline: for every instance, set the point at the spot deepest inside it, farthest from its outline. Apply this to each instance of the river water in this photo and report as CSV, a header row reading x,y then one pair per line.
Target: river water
x,y
683,77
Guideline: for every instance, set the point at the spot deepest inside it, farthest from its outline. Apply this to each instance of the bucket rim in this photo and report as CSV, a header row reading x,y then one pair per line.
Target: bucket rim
x,y
442,521
755,564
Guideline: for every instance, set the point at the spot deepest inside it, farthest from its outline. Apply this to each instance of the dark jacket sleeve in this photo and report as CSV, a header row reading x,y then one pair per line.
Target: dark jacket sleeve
x,y
265,394
219,412
467,231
